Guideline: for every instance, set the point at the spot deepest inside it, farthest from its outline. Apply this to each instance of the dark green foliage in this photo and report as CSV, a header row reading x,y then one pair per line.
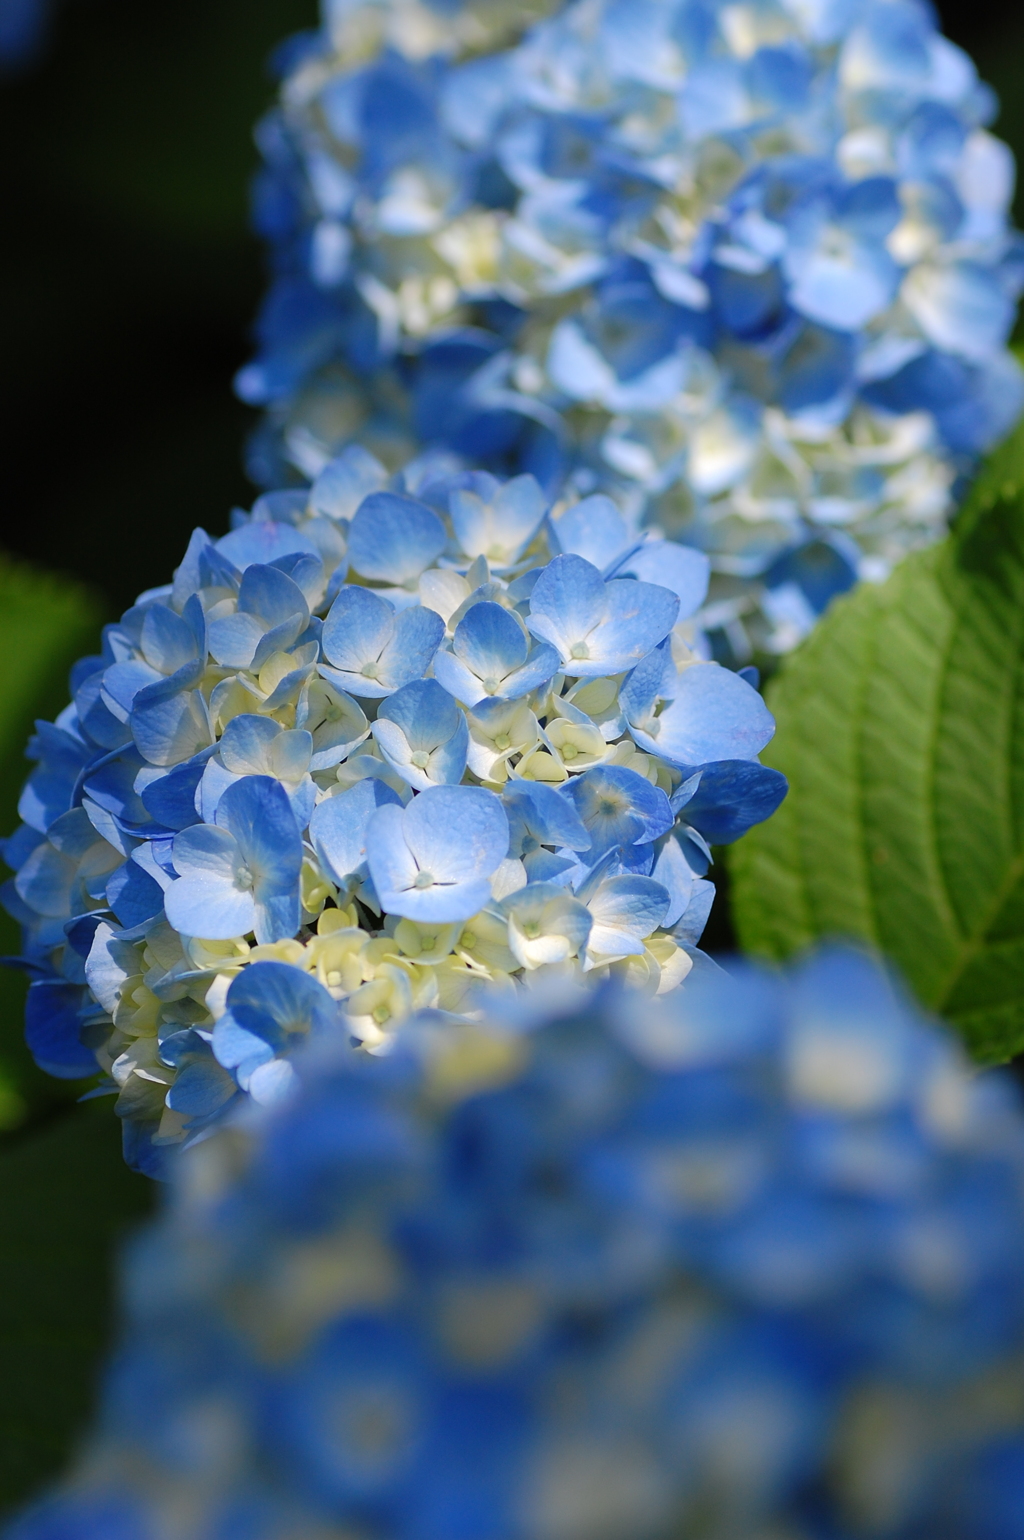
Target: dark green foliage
x,y
66,1197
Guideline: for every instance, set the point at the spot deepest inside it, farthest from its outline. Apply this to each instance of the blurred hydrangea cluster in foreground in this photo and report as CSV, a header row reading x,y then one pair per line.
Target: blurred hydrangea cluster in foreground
x,y
382,747
744,266
744,1261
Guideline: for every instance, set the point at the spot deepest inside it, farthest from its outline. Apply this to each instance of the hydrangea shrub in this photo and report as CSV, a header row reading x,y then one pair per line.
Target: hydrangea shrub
x,y
746,268
384,746
745,1260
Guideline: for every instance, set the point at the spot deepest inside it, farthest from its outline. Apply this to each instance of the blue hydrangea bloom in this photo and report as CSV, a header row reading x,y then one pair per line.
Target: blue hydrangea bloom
x,y
745,270
392,743
744,1260
24,28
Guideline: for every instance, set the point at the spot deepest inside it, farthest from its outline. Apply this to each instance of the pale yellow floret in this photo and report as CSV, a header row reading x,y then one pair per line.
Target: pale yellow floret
x,y
579,745
337,958
387,999
287,951
674,962
483,944
314,888
540,765
425,944
471,246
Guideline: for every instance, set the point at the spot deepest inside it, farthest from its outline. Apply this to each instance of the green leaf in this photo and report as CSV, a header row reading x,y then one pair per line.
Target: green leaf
x,y
901,729
46,622
66,1198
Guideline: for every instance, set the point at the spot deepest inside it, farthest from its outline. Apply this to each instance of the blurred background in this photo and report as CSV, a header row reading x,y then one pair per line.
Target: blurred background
x,y
128,282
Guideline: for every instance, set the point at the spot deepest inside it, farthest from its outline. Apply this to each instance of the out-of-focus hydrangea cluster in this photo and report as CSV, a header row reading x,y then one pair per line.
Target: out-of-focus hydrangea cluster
x,y
744,266
746,1261
399,745
24,27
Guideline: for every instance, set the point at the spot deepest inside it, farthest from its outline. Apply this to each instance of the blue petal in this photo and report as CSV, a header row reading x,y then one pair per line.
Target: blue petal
x,y
170,798
540,814
640,615
274,996
133,895
593,529
418,634
263,541
732,797
423,712
205,901
675,874
653,679
669,565
624,911
357,629
393,539
715,715
272,596
258,814
618,807
244,743
167,641
53,1030
338,827
491,642
456,834
171,728
567,602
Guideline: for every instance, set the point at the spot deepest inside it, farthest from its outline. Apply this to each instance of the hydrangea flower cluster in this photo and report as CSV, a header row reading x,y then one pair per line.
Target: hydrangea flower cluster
x,y
748,1260
400,745
24,25
744,267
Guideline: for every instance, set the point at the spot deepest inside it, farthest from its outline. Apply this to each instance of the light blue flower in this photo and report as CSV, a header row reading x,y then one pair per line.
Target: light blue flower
x,y
394,539
546,925
270,1007
202,1087
272,614
242,873
434,859
496,520
595,529
491,657
338,828
24,29
618,808
542,821
705,713
598,628
624,910
423,735
372,649
254,745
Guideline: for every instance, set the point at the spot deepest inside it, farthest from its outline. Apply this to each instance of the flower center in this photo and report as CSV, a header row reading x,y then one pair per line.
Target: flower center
x,y
420,759
491,685
580,650
243,879
424,880
469,939
370,670
502,741
380,1014
569,751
